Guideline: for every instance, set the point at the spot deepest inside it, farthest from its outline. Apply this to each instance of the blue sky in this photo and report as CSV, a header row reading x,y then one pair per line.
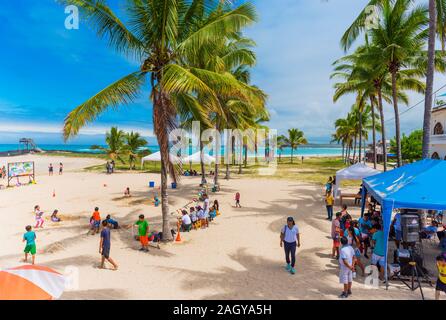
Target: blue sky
x,y
46,70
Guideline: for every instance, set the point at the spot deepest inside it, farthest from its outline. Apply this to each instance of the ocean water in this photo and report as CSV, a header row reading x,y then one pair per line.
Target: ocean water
x,y
309,150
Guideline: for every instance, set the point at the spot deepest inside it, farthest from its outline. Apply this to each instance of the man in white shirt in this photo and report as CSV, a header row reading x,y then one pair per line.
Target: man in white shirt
x,y
346,264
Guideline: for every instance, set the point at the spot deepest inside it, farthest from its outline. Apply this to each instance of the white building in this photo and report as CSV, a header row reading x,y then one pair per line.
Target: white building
x,y
437,147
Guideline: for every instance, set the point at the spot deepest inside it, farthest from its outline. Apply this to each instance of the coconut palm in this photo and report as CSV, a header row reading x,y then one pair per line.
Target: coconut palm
x,y
295,139
133,144
160,35
437,25
281,144
115,144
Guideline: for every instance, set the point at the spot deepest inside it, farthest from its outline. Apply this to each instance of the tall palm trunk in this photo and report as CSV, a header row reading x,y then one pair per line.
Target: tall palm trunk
x,y
227,175
372,105
397,117
246,155
429,78
354,148
343,149
360,134
160,113
203,167
292,149
383,127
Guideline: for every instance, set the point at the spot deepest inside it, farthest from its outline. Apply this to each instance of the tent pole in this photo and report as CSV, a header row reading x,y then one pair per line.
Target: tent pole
x,y
363,199
387,217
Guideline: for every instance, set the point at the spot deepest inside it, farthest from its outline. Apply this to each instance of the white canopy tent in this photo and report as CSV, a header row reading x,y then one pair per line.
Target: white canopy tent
x,y
357,171
195,158
156,157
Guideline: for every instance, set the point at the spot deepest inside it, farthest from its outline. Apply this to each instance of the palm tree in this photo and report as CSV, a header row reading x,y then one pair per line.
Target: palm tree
x,y
437,24
281,143
115,144
295,138
133,143
160,35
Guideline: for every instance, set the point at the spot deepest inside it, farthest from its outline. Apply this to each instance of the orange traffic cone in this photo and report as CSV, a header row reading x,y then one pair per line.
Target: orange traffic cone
x,y
178,239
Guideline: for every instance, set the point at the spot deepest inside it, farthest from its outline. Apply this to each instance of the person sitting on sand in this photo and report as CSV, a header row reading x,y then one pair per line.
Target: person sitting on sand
x,y
193,216
212,213
39,217
127,192
96,220
143,232
30,248
186,222
156,201
105,246
54,217
202,217
113,223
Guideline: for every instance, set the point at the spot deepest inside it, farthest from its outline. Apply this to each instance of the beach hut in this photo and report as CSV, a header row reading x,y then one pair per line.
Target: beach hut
x,y
31,282
357,171
195,158
414,186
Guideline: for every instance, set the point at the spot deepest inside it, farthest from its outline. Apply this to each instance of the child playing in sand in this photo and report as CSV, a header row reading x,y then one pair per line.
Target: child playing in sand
x,y
54,217
237,200
39,217
96,220
143,232
111,222
127,192
30,248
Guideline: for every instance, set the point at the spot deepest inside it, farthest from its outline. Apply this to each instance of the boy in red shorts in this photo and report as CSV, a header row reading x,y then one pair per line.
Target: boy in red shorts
x,y
143,232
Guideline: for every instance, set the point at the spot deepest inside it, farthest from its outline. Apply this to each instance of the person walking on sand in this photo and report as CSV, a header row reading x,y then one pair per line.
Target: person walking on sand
x,y
60,168
30,248
50,169
104,247
237,200
290,239
96,220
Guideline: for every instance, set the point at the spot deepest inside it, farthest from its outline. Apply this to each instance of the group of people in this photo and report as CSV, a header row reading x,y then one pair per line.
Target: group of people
x,y
30,236
352,239
51,169
190,173
95,222
39,216
199,216
110,167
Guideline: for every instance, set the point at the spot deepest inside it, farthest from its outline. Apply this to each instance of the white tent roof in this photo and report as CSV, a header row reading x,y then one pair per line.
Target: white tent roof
x,y
157,157
357,171
195,158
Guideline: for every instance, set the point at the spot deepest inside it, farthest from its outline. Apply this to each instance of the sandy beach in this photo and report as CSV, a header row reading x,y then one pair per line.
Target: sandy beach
x,y
238,257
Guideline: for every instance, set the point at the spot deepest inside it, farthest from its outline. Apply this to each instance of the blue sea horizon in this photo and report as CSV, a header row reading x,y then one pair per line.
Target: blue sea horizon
x,y
308,150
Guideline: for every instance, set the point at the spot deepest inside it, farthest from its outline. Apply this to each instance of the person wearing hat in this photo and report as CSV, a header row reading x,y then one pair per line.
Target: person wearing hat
x,y
290,239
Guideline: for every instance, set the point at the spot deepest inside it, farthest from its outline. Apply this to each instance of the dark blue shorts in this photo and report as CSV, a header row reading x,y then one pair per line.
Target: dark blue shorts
x,y
106,252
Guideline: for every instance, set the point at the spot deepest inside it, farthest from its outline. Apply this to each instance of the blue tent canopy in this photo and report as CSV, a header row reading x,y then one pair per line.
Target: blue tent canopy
x,y
419,185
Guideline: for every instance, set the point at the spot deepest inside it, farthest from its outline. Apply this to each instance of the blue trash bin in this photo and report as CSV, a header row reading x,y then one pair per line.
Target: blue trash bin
x,y
152,184
174,185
